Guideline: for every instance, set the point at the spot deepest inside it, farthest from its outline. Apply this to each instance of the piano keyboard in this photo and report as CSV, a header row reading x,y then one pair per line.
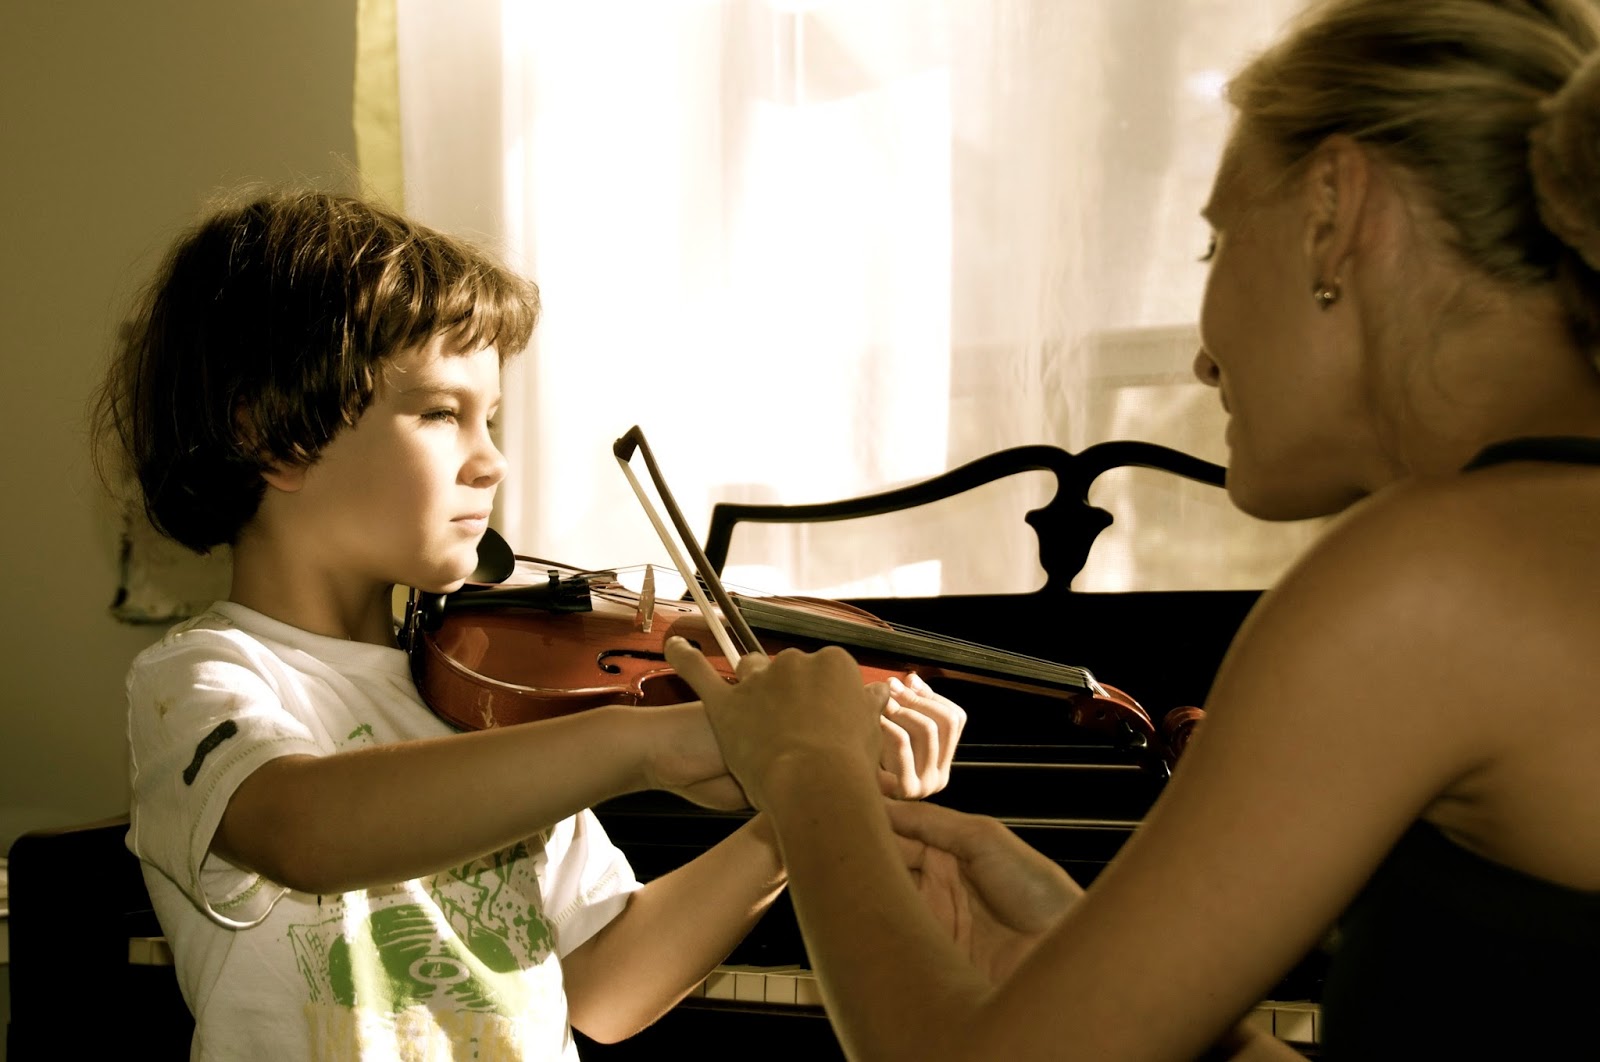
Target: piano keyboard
x,y
795,986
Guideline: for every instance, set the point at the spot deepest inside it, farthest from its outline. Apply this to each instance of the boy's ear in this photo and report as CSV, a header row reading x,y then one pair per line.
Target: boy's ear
x,y
287,478
1336,189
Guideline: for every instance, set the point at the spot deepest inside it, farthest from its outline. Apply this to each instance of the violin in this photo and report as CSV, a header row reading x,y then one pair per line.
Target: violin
x,y
563,640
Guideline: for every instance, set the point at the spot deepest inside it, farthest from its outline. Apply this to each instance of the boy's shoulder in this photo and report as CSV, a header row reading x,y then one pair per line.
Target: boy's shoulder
x,y
215,626
225,633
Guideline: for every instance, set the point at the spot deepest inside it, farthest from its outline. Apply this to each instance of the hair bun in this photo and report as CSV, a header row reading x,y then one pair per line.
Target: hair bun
x,y
1564,159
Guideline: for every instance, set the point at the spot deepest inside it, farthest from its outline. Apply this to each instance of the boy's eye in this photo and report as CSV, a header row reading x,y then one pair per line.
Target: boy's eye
x,y
1211,250
439,414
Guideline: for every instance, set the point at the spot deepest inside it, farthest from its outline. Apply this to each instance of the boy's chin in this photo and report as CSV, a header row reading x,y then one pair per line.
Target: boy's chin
x,y
437,582
444,587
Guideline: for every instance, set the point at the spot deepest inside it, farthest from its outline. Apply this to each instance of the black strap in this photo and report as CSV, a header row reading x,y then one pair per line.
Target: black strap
x,y
1571,449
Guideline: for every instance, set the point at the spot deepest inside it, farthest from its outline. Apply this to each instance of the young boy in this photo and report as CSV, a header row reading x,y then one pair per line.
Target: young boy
x,y
313,381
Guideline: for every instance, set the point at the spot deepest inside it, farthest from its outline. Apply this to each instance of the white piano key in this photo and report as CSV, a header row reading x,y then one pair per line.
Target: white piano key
x,y
750,986
1296,1022
1261,1018
807,993
149,951
781,988
720,983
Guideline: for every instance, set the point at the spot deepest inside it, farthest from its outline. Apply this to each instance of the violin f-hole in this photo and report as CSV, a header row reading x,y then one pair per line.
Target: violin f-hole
x,y
601,659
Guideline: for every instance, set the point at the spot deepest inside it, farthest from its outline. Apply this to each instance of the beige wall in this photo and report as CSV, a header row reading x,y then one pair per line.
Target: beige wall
x,y
117,121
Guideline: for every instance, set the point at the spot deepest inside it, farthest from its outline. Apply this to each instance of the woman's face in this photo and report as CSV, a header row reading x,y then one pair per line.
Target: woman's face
x,y
1287,376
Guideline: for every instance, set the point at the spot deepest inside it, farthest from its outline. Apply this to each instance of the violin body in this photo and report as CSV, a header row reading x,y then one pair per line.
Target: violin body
x,y
499,667
491,656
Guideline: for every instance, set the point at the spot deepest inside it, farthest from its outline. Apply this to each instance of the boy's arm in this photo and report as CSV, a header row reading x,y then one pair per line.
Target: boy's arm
x,y
373,816
672,933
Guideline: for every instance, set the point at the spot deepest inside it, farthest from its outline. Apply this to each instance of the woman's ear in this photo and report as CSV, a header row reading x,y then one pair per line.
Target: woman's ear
x,y
1337,184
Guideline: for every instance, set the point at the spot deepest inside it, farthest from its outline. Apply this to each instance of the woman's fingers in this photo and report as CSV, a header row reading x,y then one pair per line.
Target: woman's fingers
x,y
693,667
751,664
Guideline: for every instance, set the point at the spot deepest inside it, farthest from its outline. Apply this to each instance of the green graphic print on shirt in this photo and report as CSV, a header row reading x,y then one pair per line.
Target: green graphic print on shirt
x,y
397,955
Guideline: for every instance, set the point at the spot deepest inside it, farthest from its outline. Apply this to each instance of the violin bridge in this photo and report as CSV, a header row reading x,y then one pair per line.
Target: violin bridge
x,y
647,600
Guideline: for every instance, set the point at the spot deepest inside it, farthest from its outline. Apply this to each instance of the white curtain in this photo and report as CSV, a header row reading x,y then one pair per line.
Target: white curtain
x,y
817,248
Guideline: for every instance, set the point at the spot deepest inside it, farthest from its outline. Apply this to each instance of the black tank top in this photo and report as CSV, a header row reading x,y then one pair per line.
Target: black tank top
x,y
1448,955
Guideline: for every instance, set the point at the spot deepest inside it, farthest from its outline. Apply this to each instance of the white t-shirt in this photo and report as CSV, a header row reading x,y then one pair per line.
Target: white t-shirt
x,y
467,958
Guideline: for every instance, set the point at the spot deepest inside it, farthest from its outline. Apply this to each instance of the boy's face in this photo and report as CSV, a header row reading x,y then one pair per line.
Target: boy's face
x,y
404,495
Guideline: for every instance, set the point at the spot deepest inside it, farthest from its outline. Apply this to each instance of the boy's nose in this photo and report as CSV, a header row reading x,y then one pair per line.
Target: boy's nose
x,y
1206,369
487,465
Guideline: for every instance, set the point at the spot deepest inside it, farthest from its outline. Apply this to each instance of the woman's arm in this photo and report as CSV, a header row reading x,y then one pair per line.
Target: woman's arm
x,y
996,898
1352,698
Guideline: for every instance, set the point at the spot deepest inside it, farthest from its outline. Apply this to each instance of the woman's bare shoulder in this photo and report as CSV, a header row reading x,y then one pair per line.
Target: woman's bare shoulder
x,y
1442,592
1511,535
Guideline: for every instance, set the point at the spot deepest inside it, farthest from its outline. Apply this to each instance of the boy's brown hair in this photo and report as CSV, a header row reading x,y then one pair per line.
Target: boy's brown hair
x,y
261,337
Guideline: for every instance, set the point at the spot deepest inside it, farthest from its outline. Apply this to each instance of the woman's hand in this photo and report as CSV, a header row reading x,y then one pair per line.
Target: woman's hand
x,y
799,704
994,895
793,709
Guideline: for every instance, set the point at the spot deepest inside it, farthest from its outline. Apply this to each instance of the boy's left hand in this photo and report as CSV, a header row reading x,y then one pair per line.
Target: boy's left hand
x,y
920,730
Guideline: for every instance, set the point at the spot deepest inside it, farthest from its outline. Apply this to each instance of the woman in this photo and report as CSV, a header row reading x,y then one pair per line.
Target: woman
x,y
1403,737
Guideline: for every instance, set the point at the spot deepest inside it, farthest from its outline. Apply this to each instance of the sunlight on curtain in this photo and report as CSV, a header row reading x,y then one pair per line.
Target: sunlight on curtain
x,y
817,249
376,104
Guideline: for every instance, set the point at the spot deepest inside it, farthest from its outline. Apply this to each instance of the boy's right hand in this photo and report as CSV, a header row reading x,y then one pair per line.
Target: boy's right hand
x,y
684,758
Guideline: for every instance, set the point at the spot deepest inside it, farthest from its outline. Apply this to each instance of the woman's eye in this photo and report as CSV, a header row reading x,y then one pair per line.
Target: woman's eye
x,y
1211,250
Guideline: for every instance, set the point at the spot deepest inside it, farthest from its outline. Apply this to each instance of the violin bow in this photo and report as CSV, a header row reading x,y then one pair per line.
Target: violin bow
x,y
735,625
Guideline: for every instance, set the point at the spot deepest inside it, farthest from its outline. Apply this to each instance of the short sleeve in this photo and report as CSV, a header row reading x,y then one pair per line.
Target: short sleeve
x,y
586,881
203,713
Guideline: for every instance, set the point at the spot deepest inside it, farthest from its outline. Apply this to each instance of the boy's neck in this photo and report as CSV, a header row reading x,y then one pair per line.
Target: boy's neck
x,y
353,609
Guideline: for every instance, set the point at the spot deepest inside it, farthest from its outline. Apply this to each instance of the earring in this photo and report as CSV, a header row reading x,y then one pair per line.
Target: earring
x,y
1326,294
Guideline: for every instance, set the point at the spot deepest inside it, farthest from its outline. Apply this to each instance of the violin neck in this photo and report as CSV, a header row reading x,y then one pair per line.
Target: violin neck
x,y
913,645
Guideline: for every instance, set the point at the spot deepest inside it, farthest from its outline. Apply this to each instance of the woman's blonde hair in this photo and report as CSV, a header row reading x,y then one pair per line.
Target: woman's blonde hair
x,y
1492,105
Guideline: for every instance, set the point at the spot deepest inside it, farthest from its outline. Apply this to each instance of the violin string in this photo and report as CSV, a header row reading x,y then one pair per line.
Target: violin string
x,y
939,648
